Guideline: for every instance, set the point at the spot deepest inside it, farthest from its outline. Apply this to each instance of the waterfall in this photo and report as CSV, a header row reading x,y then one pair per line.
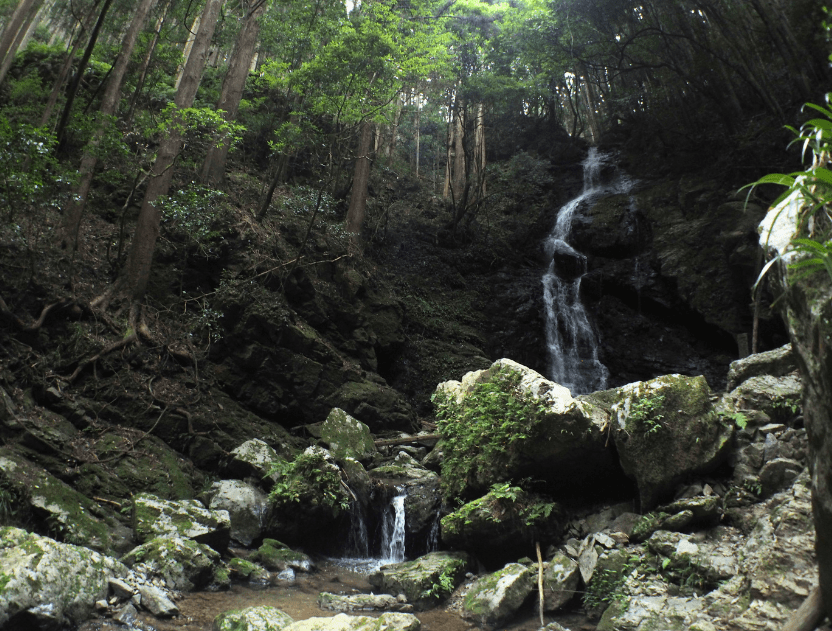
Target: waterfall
x,y
571,341
359,542
392,536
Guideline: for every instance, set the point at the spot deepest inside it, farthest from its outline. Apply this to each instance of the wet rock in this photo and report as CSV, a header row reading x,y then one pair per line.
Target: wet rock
x,y
254,458
666,429
494,598
42,579
502,523
421,580
560,580
777,363
73,517
153,517
183,564
348,437
243,570
260,618
560,440
421,487
343,622
277,556
247,508
359,602
156,601
127,615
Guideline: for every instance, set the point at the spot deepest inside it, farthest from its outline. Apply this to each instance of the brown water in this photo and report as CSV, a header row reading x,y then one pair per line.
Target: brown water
x,y
299,600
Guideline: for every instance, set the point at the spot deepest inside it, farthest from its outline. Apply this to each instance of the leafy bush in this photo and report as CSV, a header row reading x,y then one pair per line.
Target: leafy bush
x,y
311,480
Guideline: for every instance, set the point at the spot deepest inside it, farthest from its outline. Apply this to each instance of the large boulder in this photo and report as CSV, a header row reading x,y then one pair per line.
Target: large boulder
x,y
71,516
154,517
347,437
277,556
560,581
390,621
777,397
48,584
420,486
426,580
665,430
247,508
494,598
254,458
509,422
503,524
183,564
362,602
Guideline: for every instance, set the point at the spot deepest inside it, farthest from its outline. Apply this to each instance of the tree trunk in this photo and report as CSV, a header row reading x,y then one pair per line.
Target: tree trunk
x,y
137,272
446,189
14,32
146,65
79,73
478,162
390,150
186,52
361,177
213,169
109,104
458,176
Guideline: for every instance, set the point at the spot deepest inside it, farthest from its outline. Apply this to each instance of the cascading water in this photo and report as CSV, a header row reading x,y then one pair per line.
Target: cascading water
x,y
570,338
392,537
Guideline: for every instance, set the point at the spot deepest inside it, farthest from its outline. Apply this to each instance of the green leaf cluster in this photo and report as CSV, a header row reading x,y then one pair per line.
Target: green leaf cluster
x,y
480,432
309,479
644,417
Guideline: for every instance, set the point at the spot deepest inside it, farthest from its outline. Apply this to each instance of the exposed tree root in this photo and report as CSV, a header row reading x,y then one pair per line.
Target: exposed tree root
x,y
809,614
29,328
127,341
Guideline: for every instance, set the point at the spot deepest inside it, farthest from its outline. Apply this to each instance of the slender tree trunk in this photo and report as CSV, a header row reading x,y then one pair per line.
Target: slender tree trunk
x,y
459,175
479,153
137,272
416,124
446,189
109,104
390,150
14,32
361,177
186,52
213,169
79,73
151,48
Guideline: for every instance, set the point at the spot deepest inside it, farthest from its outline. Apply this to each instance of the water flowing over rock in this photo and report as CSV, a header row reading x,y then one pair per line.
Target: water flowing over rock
x,y
420,580
570,336
153,517
183,564
494,598
43,580
667,429
247,508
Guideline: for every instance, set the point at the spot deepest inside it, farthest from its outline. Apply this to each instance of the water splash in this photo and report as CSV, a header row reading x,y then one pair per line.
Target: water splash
x,y
570,339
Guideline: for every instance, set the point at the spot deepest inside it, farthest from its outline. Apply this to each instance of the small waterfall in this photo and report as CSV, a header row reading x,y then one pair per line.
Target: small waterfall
x,y
570,338
433,537
358,544
392,536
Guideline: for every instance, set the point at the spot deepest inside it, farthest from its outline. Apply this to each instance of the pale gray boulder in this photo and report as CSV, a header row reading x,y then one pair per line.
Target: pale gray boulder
x,y
247,508
495,598
154,517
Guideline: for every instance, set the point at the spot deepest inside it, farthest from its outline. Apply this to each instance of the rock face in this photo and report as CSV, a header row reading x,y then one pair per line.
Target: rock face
x,y
665,430
778,362
153,517
494,598
49,583
552,436
425,581
183,564
246,505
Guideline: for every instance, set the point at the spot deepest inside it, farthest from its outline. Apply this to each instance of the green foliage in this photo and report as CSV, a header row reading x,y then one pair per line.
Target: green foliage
x,y
647,525
480,432
643,416
740,419
198,122
191,214
309,479
441,587
301,201
606,585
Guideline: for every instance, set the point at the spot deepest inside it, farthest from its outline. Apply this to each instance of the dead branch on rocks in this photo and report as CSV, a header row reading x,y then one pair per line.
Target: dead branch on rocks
x,y
403,441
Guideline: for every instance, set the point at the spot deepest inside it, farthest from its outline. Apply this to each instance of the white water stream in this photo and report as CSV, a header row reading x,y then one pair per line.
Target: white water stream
x,y
392,535
570,338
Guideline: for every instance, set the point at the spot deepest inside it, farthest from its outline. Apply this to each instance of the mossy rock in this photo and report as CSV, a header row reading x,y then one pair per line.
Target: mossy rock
x,y
259,618
277,556
666,430
154,517
183,564
348,437
245,570
57,508
426,580
495,598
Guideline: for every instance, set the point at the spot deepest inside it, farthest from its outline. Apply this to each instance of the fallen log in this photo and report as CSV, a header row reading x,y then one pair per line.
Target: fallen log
x,y
403,441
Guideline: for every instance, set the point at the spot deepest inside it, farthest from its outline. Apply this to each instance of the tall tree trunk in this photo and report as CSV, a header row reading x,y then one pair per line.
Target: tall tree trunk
x,y
416,124
361,177
186,52
446,189
109,104
79,73
390,149
14,32
137,271
151,48
231,92
459,175
479,153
